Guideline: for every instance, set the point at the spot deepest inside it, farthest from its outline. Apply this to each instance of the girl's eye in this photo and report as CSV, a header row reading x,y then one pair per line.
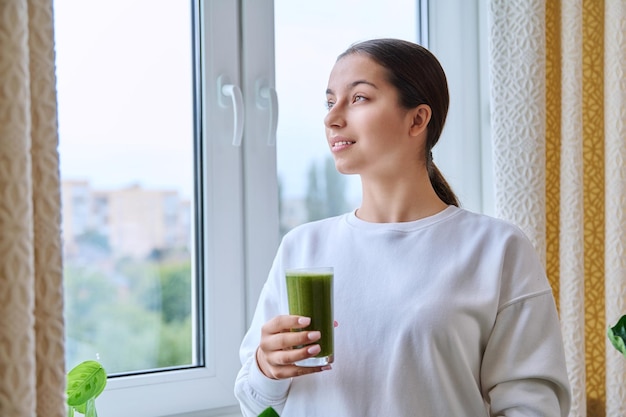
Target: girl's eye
x,y
329,105
358,98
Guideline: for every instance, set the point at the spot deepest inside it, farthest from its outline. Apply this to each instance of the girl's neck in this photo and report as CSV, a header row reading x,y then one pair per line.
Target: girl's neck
x,y
399,201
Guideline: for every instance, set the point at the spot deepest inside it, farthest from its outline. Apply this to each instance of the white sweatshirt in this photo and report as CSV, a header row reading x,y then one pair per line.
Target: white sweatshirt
x,y
451,315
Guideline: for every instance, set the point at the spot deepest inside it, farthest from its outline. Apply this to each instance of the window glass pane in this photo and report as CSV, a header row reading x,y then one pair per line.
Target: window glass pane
x,y
309,37
124,71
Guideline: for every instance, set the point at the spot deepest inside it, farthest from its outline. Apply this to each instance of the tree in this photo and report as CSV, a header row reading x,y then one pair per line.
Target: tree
x,y
175,291
326,191
314,195
336,202
133,318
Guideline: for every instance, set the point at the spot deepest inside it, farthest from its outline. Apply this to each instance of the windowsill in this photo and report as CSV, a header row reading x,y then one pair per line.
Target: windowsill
x,y
217,412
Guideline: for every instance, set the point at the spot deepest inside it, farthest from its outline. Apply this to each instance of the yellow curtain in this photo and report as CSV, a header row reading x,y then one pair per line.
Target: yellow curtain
x,y
32,366
558,71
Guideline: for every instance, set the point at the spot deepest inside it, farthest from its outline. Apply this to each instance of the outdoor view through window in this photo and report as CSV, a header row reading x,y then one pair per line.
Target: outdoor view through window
x,y
125,93
309,36
124,71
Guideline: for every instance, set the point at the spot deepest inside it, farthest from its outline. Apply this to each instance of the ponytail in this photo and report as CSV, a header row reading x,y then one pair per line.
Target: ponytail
x,y
439,183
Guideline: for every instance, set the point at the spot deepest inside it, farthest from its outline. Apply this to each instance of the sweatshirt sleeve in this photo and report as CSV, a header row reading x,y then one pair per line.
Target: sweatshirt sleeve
x,y
524,371
253,389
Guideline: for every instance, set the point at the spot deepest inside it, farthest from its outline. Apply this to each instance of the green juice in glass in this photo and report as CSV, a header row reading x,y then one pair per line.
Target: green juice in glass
x,y
310,294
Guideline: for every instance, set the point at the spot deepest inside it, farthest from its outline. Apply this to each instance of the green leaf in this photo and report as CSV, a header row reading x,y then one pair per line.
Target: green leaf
x,y
86,380
82,408
269,412
617,335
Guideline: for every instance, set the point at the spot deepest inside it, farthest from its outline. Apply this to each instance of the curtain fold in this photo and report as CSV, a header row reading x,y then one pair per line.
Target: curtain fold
x,y
32,380
560,169
517,45
615,173
571,219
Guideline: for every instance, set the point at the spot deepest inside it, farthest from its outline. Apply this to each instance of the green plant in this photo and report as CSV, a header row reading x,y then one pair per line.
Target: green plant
x,y
617,335
88,379
84,383
269,412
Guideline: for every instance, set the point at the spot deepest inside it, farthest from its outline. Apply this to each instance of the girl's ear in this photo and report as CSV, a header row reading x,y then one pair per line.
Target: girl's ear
x,y
421,117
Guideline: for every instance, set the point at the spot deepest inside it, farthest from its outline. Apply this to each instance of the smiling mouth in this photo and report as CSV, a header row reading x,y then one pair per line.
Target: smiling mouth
x,y
342,143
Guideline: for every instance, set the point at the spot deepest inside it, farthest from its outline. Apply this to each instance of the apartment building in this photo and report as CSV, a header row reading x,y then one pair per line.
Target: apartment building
x,y
127,222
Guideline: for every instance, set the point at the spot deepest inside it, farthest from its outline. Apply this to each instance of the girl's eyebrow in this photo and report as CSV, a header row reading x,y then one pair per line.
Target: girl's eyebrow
x,y
352,85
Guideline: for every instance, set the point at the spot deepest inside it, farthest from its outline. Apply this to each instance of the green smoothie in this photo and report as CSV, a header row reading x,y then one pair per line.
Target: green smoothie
x,y
310,294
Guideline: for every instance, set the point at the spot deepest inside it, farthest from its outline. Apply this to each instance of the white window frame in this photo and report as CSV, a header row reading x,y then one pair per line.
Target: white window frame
x,y
457,35
240,183
208,390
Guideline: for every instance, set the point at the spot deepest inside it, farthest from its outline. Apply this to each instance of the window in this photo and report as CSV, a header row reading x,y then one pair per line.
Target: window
x,y
309,37
179,176
129,243
152,199
457,35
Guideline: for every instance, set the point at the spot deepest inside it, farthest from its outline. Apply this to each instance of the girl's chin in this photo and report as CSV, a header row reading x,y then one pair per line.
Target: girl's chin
x,y
344,168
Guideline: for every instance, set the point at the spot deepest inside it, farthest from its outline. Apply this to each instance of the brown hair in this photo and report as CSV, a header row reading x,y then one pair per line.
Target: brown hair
x,y
419,78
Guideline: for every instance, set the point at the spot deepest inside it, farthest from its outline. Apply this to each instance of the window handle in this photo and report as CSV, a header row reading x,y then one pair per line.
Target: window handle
x,y
226,90
266,97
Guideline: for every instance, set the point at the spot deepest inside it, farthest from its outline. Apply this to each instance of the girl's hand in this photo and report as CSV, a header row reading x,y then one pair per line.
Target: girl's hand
x,y
277,350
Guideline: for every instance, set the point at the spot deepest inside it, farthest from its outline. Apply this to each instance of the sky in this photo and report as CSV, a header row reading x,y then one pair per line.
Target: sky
x,y
125,94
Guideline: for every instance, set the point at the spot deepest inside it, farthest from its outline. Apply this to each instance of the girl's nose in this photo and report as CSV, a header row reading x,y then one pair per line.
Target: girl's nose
x,y
334,117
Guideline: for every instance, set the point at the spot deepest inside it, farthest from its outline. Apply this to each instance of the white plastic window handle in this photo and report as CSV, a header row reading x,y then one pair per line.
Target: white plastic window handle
x,y
234,92
268,95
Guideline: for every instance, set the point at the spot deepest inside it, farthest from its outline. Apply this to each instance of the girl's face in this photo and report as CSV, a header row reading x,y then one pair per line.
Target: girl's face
x,y
368,132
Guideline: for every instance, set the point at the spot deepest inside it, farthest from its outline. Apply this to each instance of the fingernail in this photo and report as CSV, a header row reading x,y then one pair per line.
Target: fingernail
x,y
314,335
304,320
327,368
314,350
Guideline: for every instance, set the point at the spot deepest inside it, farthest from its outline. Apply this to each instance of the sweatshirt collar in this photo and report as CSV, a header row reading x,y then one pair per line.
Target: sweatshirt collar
x,y
446,213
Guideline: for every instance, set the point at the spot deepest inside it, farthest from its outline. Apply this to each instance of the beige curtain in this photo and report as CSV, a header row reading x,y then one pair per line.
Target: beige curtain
x,y
32,368
558,89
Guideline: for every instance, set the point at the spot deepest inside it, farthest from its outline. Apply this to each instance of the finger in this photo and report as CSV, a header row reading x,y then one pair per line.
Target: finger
x,y
291,371
336,323
280,364
288,340
285,323
291,356
300,322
